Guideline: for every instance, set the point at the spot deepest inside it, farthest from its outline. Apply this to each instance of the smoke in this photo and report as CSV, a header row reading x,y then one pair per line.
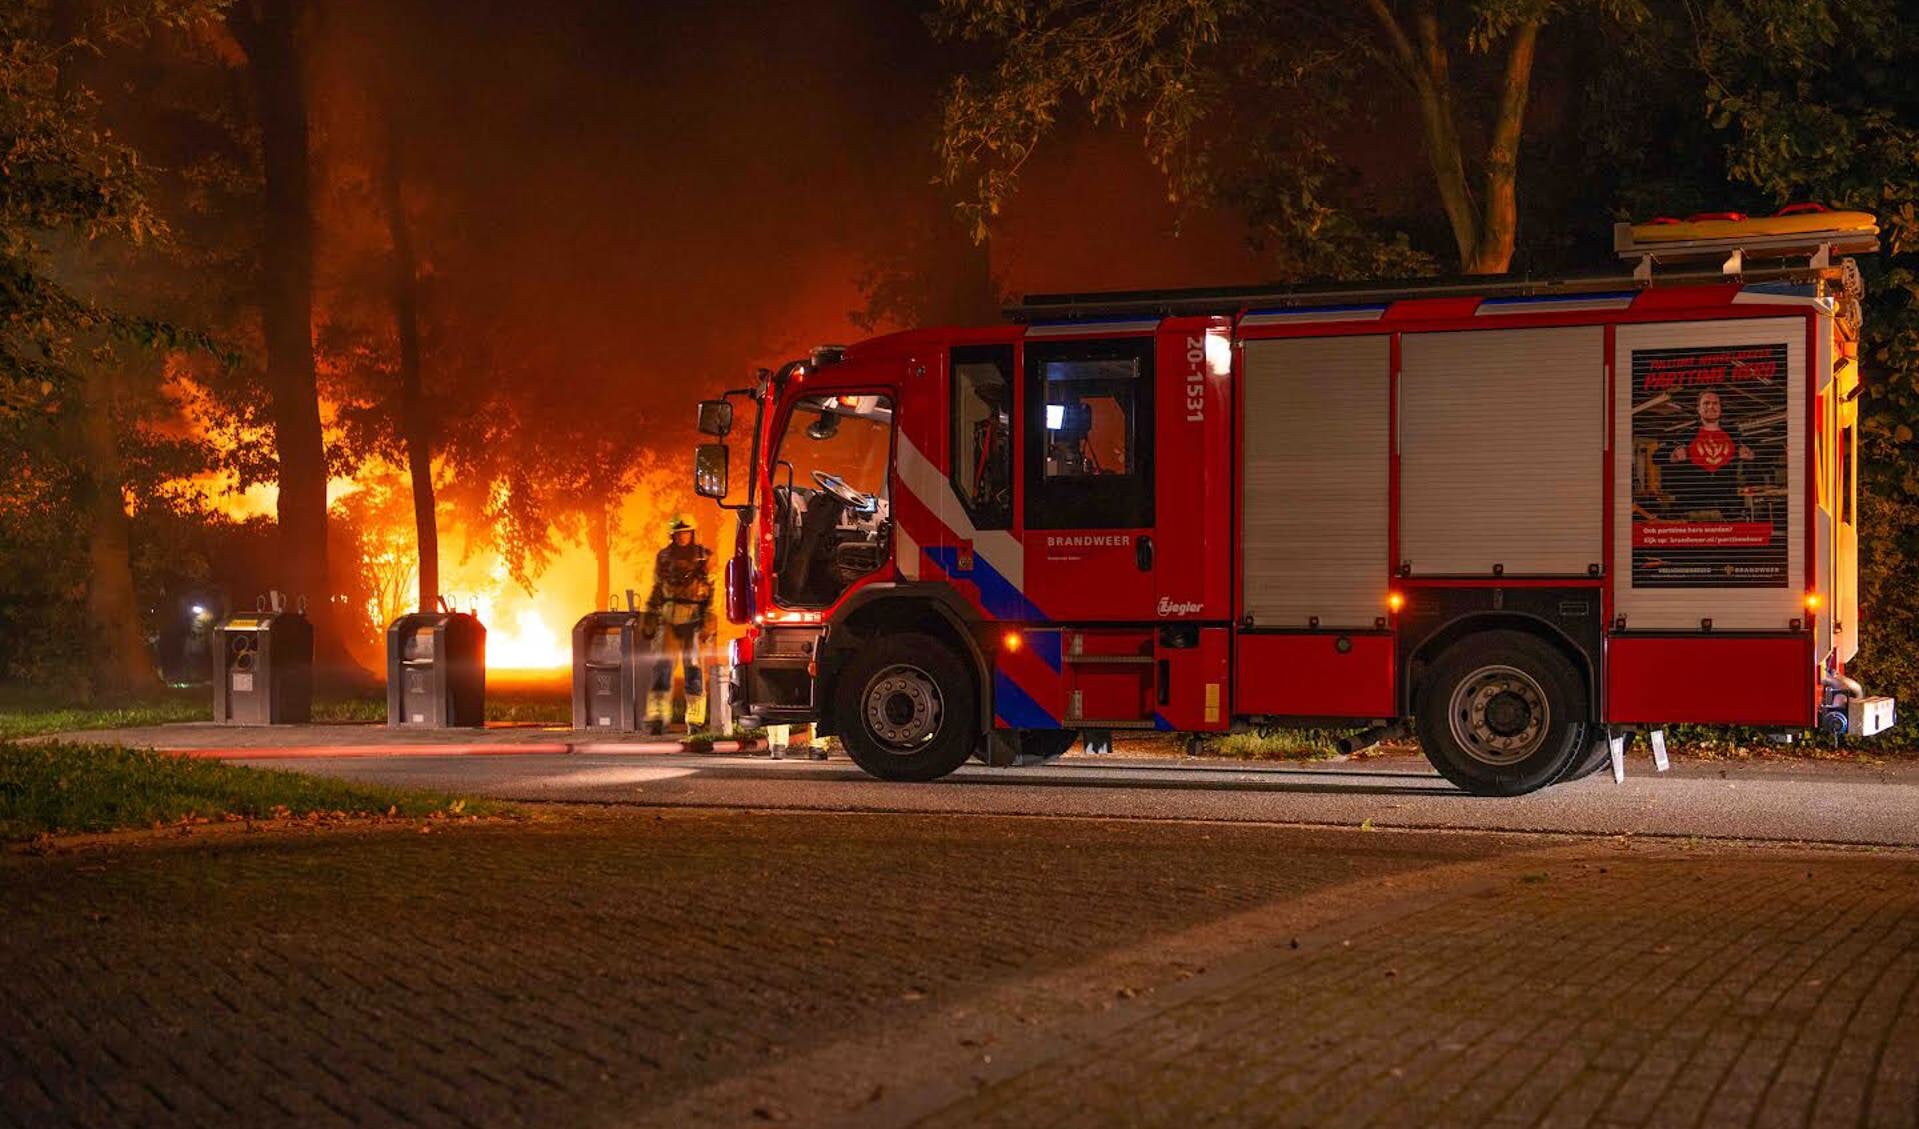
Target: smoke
x,y
619,208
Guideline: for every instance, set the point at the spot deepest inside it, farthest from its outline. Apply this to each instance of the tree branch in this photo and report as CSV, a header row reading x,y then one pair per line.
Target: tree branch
x,y
1402,48
1432,82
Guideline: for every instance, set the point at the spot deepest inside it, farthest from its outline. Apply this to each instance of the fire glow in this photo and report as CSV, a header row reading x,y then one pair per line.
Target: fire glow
x,y
529,631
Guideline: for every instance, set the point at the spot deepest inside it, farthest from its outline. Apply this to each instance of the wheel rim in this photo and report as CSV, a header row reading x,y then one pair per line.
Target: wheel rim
x,y
902,707
1499,715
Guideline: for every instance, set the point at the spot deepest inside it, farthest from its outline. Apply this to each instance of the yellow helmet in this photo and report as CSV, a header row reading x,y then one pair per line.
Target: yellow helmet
x,y
679,522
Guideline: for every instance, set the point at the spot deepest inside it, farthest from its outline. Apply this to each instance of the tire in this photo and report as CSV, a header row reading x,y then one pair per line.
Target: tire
x,y
1595,757
1502,714
906,708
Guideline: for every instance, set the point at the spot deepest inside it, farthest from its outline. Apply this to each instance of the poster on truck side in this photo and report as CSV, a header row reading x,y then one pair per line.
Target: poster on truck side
x,y
1709,498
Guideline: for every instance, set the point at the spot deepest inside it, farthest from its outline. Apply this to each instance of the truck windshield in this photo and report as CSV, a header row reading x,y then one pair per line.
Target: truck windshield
x,y
832,523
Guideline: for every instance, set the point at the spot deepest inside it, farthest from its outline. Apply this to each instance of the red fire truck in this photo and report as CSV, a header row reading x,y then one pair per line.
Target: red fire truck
x,y
1525,518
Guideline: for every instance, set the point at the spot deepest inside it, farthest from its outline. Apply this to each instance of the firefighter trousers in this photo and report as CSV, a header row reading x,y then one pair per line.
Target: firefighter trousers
x,y
680,641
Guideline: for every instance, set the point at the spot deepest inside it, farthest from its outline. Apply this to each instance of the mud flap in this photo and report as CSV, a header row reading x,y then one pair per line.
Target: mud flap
x,y
999,748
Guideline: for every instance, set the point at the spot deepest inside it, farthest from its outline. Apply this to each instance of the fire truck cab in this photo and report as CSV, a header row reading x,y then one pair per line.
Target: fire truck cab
x,y
1518,517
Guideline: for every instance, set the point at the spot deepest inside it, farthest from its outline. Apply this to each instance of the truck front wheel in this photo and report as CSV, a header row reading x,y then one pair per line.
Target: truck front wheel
x,y
906,709
1502,713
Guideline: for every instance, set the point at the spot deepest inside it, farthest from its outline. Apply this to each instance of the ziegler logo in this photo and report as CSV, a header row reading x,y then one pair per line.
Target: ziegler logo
x,y
1115,540
1170,606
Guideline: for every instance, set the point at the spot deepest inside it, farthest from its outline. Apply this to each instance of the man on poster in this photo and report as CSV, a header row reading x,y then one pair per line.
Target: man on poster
x,y
1708,480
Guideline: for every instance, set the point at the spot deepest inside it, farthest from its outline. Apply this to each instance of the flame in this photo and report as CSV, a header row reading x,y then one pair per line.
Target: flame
x,y
527,631
529,643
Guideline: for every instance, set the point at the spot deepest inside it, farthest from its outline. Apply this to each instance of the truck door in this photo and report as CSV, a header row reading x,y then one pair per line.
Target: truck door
x,y
1087,481
1192,457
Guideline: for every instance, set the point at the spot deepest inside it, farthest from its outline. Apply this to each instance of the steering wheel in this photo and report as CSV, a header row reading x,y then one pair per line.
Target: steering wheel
x,y
835,485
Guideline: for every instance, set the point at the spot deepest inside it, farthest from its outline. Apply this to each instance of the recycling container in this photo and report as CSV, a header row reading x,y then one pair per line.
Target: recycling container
x,y
611,668
436,671
263,669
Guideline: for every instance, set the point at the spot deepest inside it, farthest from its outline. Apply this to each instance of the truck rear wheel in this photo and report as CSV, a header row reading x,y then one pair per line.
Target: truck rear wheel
x,y
1502,714
1596,756
906,708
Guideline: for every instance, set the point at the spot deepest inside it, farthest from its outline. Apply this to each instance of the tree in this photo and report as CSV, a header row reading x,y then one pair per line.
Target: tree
x,y
1243,102
1817,101
271,33
415,426
73,196
589,494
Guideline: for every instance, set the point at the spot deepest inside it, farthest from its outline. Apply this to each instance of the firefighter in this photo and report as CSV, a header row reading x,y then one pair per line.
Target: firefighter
x,y
679,616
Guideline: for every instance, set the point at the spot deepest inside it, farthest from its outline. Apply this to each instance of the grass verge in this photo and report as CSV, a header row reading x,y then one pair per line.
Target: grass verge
x,y
1276,744
31,715
28,714
63,787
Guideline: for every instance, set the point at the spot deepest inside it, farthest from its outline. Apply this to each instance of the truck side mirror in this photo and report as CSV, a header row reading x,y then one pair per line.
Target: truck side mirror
x,y
709,470
716,417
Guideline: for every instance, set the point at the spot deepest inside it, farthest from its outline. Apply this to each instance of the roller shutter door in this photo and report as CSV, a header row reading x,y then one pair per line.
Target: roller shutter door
x,y
1501,448
1314,533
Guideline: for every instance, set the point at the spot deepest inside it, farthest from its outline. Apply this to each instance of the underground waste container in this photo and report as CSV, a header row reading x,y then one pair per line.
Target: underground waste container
x,y
611,666
436,671
263,667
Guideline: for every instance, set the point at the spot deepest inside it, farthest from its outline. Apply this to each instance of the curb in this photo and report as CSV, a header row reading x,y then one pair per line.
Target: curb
x,y
470,749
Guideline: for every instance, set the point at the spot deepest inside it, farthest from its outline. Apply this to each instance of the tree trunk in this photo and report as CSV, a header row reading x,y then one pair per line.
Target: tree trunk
x,y
1484,228
269,32
118,665
117,654
414,427
599,535
1499,226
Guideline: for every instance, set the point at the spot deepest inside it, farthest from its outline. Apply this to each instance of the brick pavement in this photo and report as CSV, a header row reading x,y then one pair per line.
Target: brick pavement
x,y
881,969
561,971
1684,988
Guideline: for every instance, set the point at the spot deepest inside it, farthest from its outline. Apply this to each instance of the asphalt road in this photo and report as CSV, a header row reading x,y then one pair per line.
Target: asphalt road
x,y
1777,799
1810,802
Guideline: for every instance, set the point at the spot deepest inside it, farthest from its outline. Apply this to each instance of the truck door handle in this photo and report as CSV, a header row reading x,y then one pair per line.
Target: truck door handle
x,y
1143,554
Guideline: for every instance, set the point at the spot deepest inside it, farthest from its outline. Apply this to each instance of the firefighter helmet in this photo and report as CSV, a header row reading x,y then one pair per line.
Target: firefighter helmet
x,y
680,522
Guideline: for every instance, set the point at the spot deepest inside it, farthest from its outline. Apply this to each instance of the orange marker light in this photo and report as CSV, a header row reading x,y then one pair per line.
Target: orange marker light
x,y
1812,601
1011,641
1394,601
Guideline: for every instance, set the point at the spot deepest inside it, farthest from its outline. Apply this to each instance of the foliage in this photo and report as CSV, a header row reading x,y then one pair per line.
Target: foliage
x,y
58,787
1816,100
373,531
89,258
1265,106
66,180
